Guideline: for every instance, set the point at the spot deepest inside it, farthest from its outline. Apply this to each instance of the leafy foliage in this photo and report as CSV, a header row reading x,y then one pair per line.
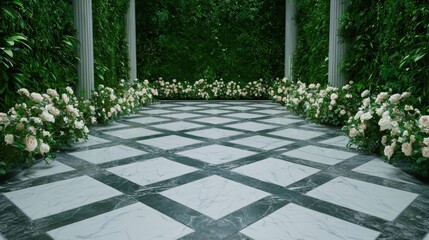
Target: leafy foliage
x,y
110,45
389,45
38,44
193,39
311,56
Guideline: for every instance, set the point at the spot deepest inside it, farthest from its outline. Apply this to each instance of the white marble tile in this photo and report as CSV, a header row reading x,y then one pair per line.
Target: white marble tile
x,y
169,142
48,199
178,126
151,171
148,120
297,134
132,133
251,126
42,169
281,120
340,141
133,222
262,142
107,154
245,115
212,105
320,155
214,111
293,222
216,154
156,111
214,196
381,169
270,111
187,108
113,125
215,120
239,108
92,140
214,133
182,115
276,171
383,202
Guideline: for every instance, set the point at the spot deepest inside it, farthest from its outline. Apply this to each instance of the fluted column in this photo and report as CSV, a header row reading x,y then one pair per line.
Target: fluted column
x,y
83,25
131,38
290,37
337,50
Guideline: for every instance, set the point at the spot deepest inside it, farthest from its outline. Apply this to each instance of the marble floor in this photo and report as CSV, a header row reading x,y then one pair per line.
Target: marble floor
x,y
214,170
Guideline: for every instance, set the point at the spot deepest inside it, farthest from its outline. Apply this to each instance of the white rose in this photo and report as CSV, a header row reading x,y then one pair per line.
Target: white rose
x,y
52,92
353,132
381,96
405,95
79,124
8,139
426,141
334,96
346,87
395,98
366,116
69,90
32,130
85,129
93,120
44,148
54,111
46,116
385,123
333,102
46,133
424,121
30,143
358,114
23,91
65,98
425,152
407,149
342,112
36,97
364,93
388,151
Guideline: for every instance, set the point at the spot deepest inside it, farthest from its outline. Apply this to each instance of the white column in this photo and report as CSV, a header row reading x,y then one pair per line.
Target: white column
x,y
337,50
83,25
131,38
290,37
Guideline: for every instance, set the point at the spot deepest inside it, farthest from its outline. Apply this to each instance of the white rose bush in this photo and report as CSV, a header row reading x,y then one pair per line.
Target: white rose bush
x,y
204,89
40,124
384,123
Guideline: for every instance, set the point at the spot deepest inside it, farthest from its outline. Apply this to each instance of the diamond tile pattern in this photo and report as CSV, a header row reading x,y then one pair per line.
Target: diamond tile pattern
x,y
213,170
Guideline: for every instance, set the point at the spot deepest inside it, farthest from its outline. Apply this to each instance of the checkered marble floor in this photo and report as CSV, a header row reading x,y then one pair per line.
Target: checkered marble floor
x,y
214,170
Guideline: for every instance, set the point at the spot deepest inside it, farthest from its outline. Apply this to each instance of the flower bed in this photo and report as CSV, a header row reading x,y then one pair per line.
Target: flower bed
x,y
42,123
385,123
207,90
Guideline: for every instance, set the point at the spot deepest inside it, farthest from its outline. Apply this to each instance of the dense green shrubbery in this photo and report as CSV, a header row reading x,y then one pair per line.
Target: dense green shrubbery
x,y
189,40
311,56
110,45
389,45
39,38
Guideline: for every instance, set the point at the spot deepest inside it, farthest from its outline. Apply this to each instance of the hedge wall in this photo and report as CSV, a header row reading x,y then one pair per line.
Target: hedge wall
x,y
389,45
110,45
191,39
44,54
311,56
38,48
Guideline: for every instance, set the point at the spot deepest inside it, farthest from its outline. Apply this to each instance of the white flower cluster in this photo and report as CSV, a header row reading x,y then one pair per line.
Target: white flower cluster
x,y
327,105
204,89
